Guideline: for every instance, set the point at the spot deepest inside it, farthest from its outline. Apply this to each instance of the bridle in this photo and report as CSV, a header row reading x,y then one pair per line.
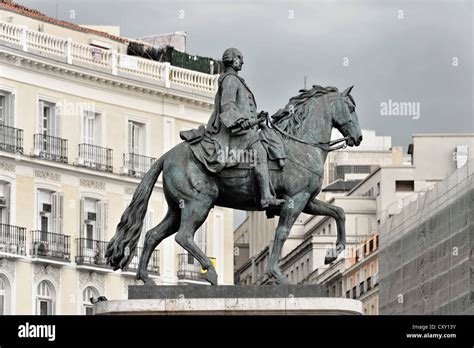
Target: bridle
x,y
326,145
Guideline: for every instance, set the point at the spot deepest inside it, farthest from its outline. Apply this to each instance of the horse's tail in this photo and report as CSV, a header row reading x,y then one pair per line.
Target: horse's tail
x,y
121,247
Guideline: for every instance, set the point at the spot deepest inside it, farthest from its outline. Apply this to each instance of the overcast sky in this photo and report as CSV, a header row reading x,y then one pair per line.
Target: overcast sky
x,y
407,59
404,51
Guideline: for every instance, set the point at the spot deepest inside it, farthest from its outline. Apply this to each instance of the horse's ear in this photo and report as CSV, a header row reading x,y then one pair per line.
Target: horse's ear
x,y
348,90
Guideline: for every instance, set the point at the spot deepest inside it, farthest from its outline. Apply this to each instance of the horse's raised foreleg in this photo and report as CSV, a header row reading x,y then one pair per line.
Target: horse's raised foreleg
x,y
193,216
165,228
290,211
317,207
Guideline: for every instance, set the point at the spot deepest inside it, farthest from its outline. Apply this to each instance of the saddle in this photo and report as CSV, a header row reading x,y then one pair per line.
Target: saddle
x,y
193,135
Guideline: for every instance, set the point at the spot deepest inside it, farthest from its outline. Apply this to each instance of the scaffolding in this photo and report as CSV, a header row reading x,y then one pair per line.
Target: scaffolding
x,y
426,254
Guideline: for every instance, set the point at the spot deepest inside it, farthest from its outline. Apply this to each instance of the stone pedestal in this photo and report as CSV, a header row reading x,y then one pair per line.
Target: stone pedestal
x,y
229,300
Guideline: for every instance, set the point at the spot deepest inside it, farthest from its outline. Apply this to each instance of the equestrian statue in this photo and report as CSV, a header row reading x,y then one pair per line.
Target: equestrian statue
x,y
243,160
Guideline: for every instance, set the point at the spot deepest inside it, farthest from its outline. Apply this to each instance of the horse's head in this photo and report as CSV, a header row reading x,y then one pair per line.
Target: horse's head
x,y
344,117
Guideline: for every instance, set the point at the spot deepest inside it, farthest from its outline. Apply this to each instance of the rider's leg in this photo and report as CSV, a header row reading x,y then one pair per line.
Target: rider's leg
x,y
263,177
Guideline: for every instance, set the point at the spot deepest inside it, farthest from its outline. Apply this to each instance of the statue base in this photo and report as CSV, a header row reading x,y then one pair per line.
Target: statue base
x,y
229,300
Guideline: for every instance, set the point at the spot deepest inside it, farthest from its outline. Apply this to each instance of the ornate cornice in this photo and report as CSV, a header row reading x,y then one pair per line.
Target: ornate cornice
x,y
47,175
7,167
15,58
90,183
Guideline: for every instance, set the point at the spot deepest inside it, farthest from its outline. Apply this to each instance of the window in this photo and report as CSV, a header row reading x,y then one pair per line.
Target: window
x,y
329,229
94,215
50,211
369,193
341,171
88,294
404,186
201,237
4,295
7,104
136,138
5,202
45,301
49,119
148,224
378,189
91,127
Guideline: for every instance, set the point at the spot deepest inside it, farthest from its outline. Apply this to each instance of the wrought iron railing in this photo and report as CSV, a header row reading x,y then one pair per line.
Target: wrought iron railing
x,y
52,245
137,165
50,148
11,139
153,264
189,268
12,239
95,157
91,252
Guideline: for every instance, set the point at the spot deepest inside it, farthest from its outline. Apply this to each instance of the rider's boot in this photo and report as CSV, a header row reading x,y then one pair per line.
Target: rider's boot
x,y
263,179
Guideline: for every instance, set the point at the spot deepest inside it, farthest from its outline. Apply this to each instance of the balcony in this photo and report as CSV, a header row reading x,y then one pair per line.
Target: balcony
x,y
12,240
50,245
136,165
189,268
50,148
11,139
91,252
153,264
81,55
95,157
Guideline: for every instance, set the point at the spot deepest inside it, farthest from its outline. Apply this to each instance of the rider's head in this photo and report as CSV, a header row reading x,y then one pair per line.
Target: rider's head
x,y
233,58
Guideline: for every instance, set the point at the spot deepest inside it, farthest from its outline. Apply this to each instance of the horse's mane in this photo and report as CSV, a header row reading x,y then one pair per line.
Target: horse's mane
x,y
291,117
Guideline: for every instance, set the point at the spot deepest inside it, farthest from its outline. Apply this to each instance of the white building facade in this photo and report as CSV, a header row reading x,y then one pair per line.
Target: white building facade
x,y
80,123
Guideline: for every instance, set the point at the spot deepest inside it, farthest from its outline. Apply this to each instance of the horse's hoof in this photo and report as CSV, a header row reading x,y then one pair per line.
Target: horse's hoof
x,y
331,256
329,259
211,276
282,281
145,279
277,279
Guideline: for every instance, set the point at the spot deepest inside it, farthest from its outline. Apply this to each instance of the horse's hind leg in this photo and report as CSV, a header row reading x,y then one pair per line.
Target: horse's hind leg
x,y
193,216
317,207
165,228
290,211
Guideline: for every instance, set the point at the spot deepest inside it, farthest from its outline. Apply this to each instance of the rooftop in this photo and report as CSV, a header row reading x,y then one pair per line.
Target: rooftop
x,y
341,185
9,5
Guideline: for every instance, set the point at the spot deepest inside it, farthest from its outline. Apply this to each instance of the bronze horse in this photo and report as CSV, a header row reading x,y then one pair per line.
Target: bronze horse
x,y
305,125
